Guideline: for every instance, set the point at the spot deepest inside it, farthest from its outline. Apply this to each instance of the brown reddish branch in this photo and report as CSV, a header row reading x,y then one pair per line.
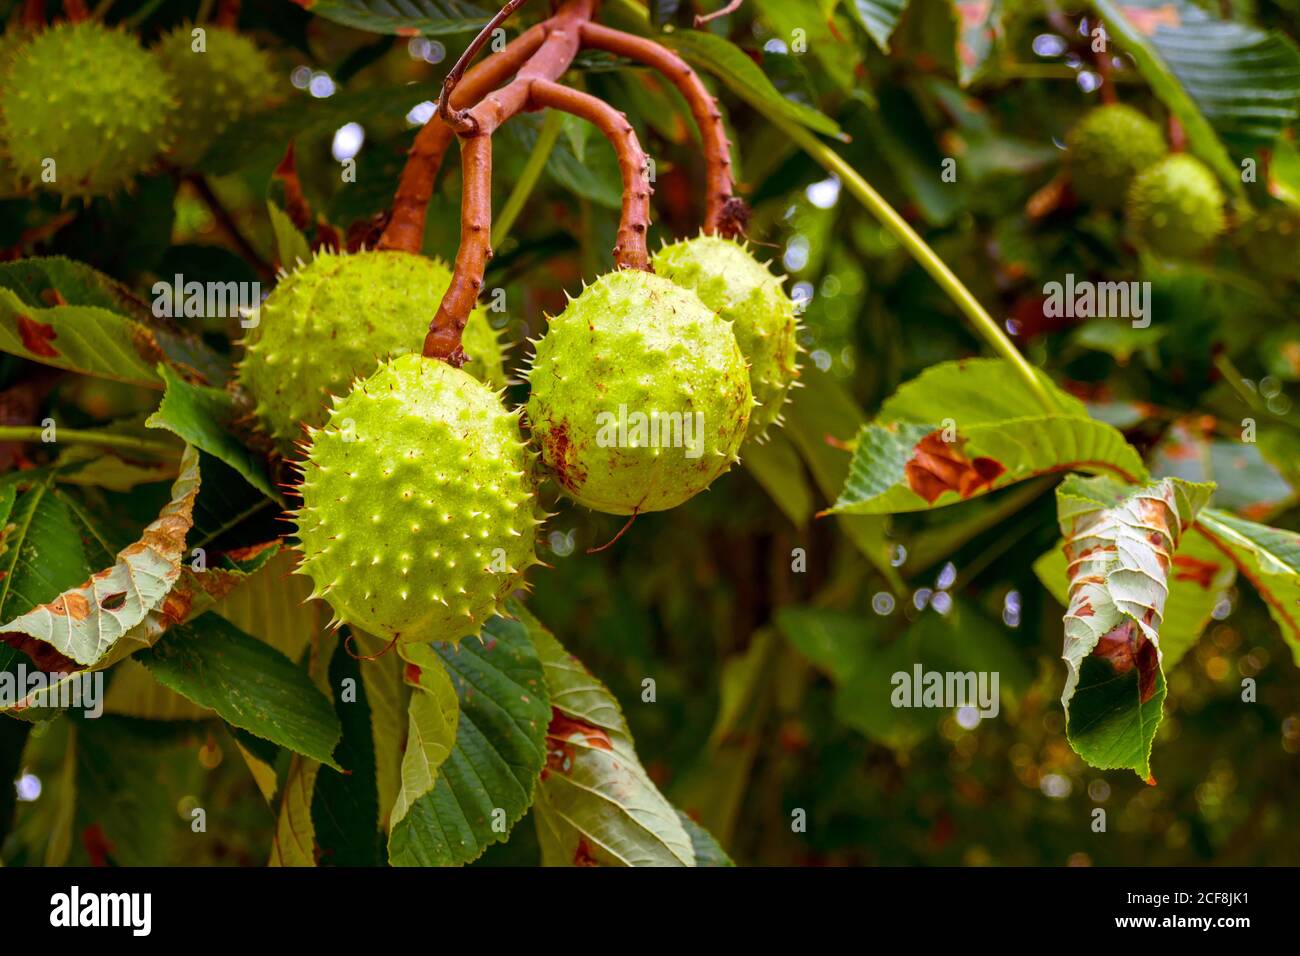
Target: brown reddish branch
x,y
630,250
76,10
34,14
702,18
443,340
405,230
721,211
459,119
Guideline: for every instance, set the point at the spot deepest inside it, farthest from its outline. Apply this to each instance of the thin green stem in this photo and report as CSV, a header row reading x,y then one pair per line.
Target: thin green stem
x,y
921,252
77,436
505,219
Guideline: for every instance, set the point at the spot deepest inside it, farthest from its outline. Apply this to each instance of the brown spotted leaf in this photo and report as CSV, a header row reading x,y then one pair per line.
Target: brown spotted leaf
x,y
596,805
963,429
135,597
1120,542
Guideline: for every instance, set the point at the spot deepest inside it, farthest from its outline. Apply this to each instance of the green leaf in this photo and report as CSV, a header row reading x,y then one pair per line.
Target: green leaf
x,y
65,314
499,752
868,670
258,141
730,63
707,850
1269,558
1119,547
41,551
1246,481
826,413
292,251
596,805
204,417
962,429
776,466
86,622
879,18
1246,81
1201,137
594,175
428,17
345,805
249,684
432,717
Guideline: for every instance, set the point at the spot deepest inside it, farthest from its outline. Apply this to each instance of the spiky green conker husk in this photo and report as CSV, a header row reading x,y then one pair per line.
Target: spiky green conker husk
x,y
11,183
89,98
230,79
1270,242
331,322
739,288
1107,148
417,515
634,344
1175,208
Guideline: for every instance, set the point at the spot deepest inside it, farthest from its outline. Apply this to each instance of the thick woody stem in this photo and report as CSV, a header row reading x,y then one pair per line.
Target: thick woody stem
x,y
405,230
630,250
34,14
76,10
723,213
443,340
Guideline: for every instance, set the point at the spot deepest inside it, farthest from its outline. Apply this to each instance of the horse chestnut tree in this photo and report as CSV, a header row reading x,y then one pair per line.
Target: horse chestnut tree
x,y
585,439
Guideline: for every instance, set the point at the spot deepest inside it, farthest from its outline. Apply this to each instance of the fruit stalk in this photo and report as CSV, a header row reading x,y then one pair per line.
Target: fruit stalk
x,y
722,213
405,229
443,340
630,250
76,10
228,14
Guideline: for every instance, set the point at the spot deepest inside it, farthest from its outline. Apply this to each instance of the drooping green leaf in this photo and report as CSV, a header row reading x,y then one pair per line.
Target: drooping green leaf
x,y
345,805
776,466
203,417
745,79
85,623
428,17
487,784
966,428
1269,558
432,717
250,684
1119,546
596,805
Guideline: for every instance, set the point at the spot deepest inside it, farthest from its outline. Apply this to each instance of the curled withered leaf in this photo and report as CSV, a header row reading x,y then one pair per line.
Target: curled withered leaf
x,y
85,623
1119,547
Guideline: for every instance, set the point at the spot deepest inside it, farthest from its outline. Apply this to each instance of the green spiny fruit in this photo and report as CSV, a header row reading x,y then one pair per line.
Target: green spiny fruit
x,y
90,99
739,288
640,395
11,183
330,322
417,515
217,85
1270,242
1107,148
1175,208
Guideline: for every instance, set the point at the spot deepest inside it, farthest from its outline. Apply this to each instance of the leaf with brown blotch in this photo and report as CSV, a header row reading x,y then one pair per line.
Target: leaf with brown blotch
x,y
1120,544
133,597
